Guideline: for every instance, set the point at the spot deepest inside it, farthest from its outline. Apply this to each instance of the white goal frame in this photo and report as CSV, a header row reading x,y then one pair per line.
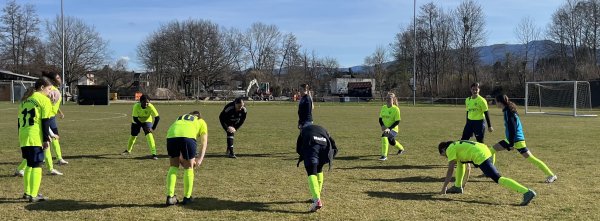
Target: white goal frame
x,y
528,107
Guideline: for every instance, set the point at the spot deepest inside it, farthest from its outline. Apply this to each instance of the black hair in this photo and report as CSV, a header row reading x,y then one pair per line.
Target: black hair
x,y
39,83
502,98
197,113
305,86
443,146
144,98
476,84
52,76
237,100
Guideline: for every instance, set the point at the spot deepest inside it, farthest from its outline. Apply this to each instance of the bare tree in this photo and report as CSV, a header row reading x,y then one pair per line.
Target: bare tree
x,y
469,28
261,45
85,49
527,33
19,30
377,69
115,75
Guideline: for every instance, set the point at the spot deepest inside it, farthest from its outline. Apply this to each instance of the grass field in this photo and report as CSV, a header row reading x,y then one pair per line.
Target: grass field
x,y
264,183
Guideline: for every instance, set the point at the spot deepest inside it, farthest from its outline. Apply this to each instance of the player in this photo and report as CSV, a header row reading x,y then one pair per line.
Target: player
x,y
34,135
56,99
389,118
181,142
316,148
232,117
477,110
305,107
142,114
515,138
464,151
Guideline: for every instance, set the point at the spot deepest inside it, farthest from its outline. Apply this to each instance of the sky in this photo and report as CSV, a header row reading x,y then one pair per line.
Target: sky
x,y
347,30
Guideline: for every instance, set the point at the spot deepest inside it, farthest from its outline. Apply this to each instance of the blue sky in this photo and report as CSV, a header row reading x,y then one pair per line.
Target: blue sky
x,y
348,30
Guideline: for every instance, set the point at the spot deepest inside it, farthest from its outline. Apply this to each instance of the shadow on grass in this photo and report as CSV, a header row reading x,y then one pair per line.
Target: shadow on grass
x,y
210,204
414,179
10,163
72,205
11,200
243,155
97,156
395,167
421,196
148,157
352,158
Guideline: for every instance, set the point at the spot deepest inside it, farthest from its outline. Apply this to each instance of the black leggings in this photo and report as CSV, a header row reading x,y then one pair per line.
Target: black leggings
x,y
490,170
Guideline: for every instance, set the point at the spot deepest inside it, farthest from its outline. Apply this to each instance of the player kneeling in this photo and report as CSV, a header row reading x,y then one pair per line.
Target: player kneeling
x,y
463,151
181,146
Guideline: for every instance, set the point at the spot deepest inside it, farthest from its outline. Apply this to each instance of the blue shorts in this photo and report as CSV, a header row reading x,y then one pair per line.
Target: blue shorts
x,y
33,154
476,127
135,128
186,147
53,125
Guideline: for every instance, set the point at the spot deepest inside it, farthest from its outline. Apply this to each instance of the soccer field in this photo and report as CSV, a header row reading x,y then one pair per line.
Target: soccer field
x,y
263,183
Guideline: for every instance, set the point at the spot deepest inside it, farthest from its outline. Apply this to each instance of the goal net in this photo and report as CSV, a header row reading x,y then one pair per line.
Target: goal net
x,y
559,97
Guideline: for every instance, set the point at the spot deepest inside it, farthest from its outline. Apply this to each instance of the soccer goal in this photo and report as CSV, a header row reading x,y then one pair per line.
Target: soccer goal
x,y
559,97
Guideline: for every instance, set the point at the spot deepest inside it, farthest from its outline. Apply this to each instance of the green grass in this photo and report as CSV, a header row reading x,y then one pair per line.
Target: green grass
x,y
264,183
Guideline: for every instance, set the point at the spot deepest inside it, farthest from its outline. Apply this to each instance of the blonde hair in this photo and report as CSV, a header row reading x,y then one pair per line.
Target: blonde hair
x,y
394,98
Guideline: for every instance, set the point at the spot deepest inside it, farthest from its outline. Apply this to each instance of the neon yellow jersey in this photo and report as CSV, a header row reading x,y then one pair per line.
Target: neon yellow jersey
x,y
389,115
55,99
31,113
476,107
189,126
144,114
468,151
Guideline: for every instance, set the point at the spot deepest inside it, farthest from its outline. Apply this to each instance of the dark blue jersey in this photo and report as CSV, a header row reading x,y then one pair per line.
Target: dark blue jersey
x,y
313,135
512,123
230,117
305,110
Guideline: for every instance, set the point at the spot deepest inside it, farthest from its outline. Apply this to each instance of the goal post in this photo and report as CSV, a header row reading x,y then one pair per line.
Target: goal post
x,y
572,98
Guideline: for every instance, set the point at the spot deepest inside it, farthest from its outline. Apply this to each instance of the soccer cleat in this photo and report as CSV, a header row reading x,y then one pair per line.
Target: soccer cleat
x,y
527,197
171,200
316,205
455,189
26,196
154,157
187,201
400,152
231,154
55,172
62,162
20,173
383,158
551,179
125,153
38,198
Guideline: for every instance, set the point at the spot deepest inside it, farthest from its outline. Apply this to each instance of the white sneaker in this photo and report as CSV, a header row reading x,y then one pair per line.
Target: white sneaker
x,y
62,162
551,179
55,172
382,158
316,205
20,173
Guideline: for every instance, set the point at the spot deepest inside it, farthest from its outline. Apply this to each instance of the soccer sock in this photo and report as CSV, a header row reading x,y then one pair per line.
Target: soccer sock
x,y
313,185
493,151
48,159
22,165
460,174
27,181
399,146
56,147
384,146
151,144
320,179
130,143
541,165
512,184
188,182
171,180
230,142
35,180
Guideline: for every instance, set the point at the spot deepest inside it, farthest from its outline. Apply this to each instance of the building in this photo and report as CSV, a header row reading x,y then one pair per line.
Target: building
x,y
13,85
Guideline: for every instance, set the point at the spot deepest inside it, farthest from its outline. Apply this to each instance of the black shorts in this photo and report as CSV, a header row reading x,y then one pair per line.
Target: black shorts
x,y
33,154
315,156
135,128
53,125
476,127
186,147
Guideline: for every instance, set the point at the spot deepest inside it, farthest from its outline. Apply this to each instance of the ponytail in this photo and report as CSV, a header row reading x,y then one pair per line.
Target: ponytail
x,y
28,93
502,98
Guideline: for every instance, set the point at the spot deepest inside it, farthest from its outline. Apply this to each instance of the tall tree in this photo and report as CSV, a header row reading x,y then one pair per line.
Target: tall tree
x,y
469,28
19,30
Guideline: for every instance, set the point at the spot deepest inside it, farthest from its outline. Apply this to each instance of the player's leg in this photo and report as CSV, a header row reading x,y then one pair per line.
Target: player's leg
x,y
490,171
384,147
311,163
27,154
521,147
150,140
135,130
230,139
35,179
21,168
55,145
174,152
392,140
189,156
467,131
479,130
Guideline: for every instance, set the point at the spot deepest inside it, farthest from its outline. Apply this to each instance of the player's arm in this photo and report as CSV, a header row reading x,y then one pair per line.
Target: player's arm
x,y
511,126
381,124
61,114
299,149
155,124
333,146
241,121
487,120
154,113
394,124
204,138
223,119
449,173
